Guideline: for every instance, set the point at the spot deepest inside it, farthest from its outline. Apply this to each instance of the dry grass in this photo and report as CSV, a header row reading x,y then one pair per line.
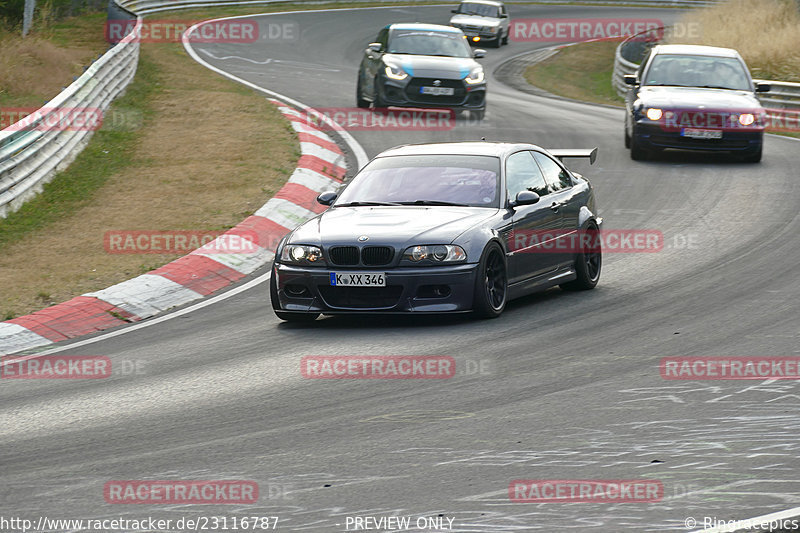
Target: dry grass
x,y
36,68
765,32
210,153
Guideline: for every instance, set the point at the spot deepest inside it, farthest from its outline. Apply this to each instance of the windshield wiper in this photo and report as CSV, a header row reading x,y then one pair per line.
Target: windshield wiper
x,y
718,87
357,204
433,202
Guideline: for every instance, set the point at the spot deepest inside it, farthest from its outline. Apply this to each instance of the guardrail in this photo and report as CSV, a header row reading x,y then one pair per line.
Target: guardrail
x,y
784,95
33,151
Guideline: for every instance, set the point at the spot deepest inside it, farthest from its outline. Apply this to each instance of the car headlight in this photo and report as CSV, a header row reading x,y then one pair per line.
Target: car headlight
x,y
301,254
653,113
436,253
476,76
746,119
394,72
491,29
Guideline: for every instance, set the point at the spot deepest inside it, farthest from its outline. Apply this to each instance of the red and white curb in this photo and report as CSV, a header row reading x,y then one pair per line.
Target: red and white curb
x,y
321,167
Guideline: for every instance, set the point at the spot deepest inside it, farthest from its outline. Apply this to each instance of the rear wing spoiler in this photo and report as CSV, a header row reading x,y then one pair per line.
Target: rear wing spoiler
x,y
561,153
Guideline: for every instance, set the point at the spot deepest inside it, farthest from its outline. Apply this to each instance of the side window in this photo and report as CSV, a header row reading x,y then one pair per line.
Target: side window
x,y
556,177
523,174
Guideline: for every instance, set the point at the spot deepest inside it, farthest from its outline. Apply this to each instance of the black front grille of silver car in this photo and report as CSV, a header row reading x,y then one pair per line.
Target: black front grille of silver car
x,y
343,255
377,255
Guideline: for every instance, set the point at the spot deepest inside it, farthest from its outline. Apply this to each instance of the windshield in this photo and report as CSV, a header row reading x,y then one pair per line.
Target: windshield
x,y
484,10
698,71
429,43
426,179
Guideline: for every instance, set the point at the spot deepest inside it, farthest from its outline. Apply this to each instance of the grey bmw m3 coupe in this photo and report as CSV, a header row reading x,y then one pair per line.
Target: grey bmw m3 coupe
x,y
443,228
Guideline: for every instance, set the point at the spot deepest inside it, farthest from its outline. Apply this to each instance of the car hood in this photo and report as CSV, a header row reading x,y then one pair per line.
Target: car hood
x,y
692,98
474,20
452,68
397,226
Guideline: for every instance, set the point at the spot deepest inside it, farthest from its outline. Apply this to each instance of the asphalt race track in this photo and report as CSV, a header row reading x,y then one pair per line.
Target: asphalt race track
x,y
562,386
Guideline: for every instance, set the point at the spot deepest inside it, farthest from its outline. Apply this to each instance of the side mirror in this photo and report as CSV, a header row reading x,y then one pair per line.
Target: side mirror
x,y
503,15
374,48
525,198
327,198
454,11
478,53
763,87
630,79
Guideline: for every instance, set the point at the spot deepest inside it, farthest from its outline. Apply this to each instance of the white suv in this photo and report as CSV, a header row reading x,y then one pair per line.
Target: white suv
x,y
482,20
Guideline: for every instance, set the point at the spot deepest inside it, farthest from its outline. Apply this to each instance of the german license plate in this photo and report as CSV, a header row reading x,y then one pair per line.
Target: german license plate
x,y
701,134
358,279
437,91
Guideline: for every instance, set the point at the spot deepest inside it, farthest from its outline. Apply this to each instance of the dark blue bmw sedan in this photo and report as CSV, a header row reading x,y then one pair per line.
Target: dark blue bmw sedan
x,y
694,98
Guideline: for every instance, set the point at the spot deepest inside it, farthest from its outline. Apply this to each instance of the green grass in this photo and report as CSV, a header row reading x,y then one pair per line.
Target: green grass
x,y
108,152
582,72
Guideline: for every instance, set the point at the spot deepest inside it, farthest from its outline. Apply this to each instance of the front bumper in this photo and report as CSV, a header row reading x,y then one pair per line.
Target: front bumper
x,y
408,290
648,135
406,93
471,31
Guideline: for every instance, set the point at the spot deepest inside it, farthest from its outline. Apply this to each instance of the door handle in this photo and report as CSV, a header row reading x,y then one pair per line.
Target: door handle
x,y
556,206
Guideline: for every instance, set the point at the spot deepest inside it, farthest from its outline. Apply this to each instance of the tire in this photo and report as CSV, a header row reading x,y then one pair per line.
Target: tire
x,y
360,102
505,39
754,156
285,315
377,102
491,283
627,137
588,264
496,43
637,152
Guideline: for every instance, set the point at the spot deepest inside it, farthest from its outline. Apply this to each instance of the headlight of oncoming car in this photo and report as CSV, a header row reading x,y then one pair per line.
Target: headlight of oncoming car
x,y
435,253
746,119
301,254
395,72
491,29
476,76
653,113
